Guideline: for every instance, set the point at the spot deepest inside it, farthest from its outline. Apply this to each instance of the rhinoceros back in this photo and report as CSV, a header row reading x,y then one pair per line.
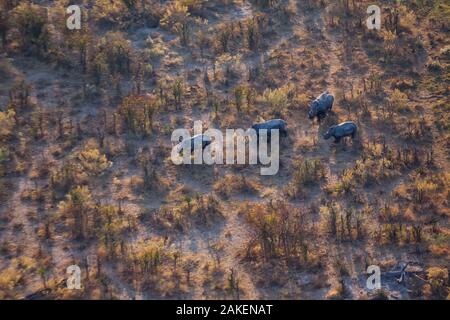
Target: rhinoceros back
x,y
271,125
345,128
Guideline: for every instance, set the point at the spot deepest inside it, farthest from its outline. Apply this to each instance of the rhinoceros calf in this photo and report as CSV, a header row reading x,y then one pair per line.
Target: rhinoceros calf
x,y
321,106
273,124
345,129
202,139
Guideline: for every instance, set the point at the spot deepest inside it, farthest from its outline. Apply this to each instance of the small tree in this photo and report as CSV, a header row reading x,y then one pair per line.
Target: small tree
x,y
4,25
253,35
137,112
78,208
176,19
397,100
178,90
7,123
149,256
31,20
239,95
437,282
92,162
112,55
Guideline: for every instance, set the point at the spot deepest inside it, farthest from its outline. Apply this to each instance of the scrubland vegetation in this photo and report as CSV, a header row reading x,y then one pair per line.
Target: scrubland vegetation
x,y
86,178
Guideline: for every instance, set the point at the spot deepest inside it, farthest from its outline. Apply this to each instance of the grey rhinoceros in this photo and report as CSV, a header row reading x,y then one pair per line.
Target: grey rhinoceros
x,y
273,124
344,129
321,106
189,144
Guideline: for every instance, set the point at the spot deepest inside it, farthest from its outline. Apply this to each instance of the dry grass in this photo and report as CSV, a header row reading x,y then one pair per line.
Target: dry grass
x,y
85,123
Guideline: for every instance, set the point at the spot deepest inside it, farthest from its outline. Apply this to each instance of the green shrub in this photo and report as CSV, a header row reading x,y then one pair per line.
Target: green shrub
x,y
76,170
176,19
278,99
306,172
137,113
110,224
92,162
398,100
77,209
113,55
31,23
111,12
434,65
7,122
438,282
280,230
149,256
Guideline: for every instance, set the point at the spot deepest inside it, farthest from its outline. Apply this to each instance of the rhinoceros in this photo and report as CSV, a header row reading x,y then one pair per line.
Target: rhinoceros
x,y
273,124
321,106
344,129
202,139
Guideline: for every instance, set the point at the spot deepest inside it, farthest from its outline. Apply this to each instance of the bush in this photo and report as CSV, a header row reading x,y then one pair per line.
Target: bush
x,y
278,99
4,156
77,169
306,172
438,282
30,21
229,66
9,279
342,223
19,97
4,25
398,100
309,171
7,122
253,35
423,189
266,3
344,185
176,19
445,52
137,113
149,256
202,210
232,184
390,45
280,231
111,12
65,177
157,49
434,65
92,162
110,224
77,208
113,55
176,14
223,34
